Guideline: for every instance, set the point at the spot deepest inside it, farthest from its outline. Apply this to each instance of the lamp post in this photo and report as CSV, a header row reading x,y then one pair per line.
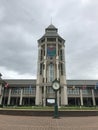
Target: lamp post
x,y
56,87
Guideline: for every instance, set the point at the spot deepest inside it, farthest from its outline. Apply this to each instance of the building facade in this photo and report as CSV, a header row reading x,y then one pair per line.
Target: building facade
x,y
50,66
23,93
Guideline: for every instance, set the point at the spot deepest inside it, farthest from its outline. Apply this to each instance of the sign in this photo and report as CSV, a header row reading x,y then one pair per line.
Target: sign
x,y
51,51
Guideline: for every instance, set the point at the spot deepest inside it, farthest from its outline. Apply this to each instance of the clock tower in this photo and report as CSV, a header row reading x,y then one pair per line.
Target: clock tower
x,y
51,66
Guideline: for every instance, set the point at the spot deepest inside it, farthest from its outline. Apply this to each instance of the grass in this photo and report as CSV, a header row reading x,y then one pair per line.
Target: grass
x,y
47,108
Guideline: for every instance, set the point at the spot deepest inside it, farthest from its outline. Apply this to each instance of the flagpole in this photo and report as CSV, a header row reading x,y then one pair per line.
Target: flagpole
x,y
29,94
4,95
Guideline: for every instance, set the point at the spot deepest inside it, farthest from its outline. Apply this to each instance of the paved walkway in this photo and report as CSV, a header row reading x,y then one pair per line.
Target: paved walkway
x,y
47,123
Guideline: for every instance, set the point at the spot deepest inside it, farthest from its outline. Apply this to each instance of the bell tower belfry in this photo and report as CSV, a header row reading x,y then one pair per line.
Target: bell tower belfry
x,y
51,66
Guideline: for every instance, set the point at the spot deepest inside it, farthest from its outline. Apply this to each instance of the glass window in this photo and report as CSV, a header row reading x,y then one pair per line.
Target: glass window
x,y
74,91
50,89
86,91
29,90
62,69
51,72
96,92
16,91
51,39
41,66
60,40
43,40
61,55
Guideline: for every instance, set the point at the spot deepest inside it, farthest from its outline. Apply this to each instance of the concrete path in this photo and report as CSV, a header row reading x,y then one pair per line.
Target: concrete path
x,y
48,123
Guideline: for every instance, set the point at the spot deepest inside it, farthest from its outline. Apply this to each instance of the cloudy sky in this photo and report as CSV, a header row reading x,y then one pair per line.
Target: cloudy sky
x,y
23,22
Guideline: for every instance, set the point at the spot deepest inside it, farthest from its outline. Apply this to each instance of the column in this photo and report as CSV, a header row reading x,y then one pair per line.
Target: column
x,y
57,64
45,63
57,79
63,58
1,99
64,97
45,76
93,97
57,70
44,97
0,88
57,60
44,71
45,47
81,97
38,78
37,95
21,92
1,94
9,97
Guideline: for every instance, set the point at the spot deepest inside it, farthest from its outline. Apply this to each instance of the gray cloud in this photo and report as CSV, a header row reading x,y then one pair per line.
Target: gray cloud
x,y
22,23
16,46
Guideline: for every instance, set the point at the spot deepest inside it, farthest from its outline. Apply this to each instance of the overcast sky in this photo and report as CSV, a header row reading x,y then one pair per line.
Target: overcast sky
x,y
23,22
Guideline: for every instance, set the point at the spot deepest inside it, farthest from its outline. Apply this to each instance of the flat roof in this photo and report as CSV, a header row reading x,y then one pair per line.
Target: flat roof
x,y
33,82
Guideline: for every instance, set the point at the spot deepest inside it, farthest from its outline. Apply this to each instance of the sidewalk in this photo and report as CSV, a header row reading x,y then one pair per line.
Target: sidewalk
x,y
48,123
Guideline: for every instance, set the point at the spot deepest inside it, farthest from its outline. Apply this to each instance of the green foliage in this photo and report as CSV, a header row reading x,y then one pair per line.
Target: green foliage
x,y
47,108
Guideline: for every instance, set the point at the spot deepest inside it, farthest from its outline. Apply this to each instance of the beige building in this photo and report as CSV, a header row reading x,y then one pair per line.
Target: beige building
x,y
50,66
